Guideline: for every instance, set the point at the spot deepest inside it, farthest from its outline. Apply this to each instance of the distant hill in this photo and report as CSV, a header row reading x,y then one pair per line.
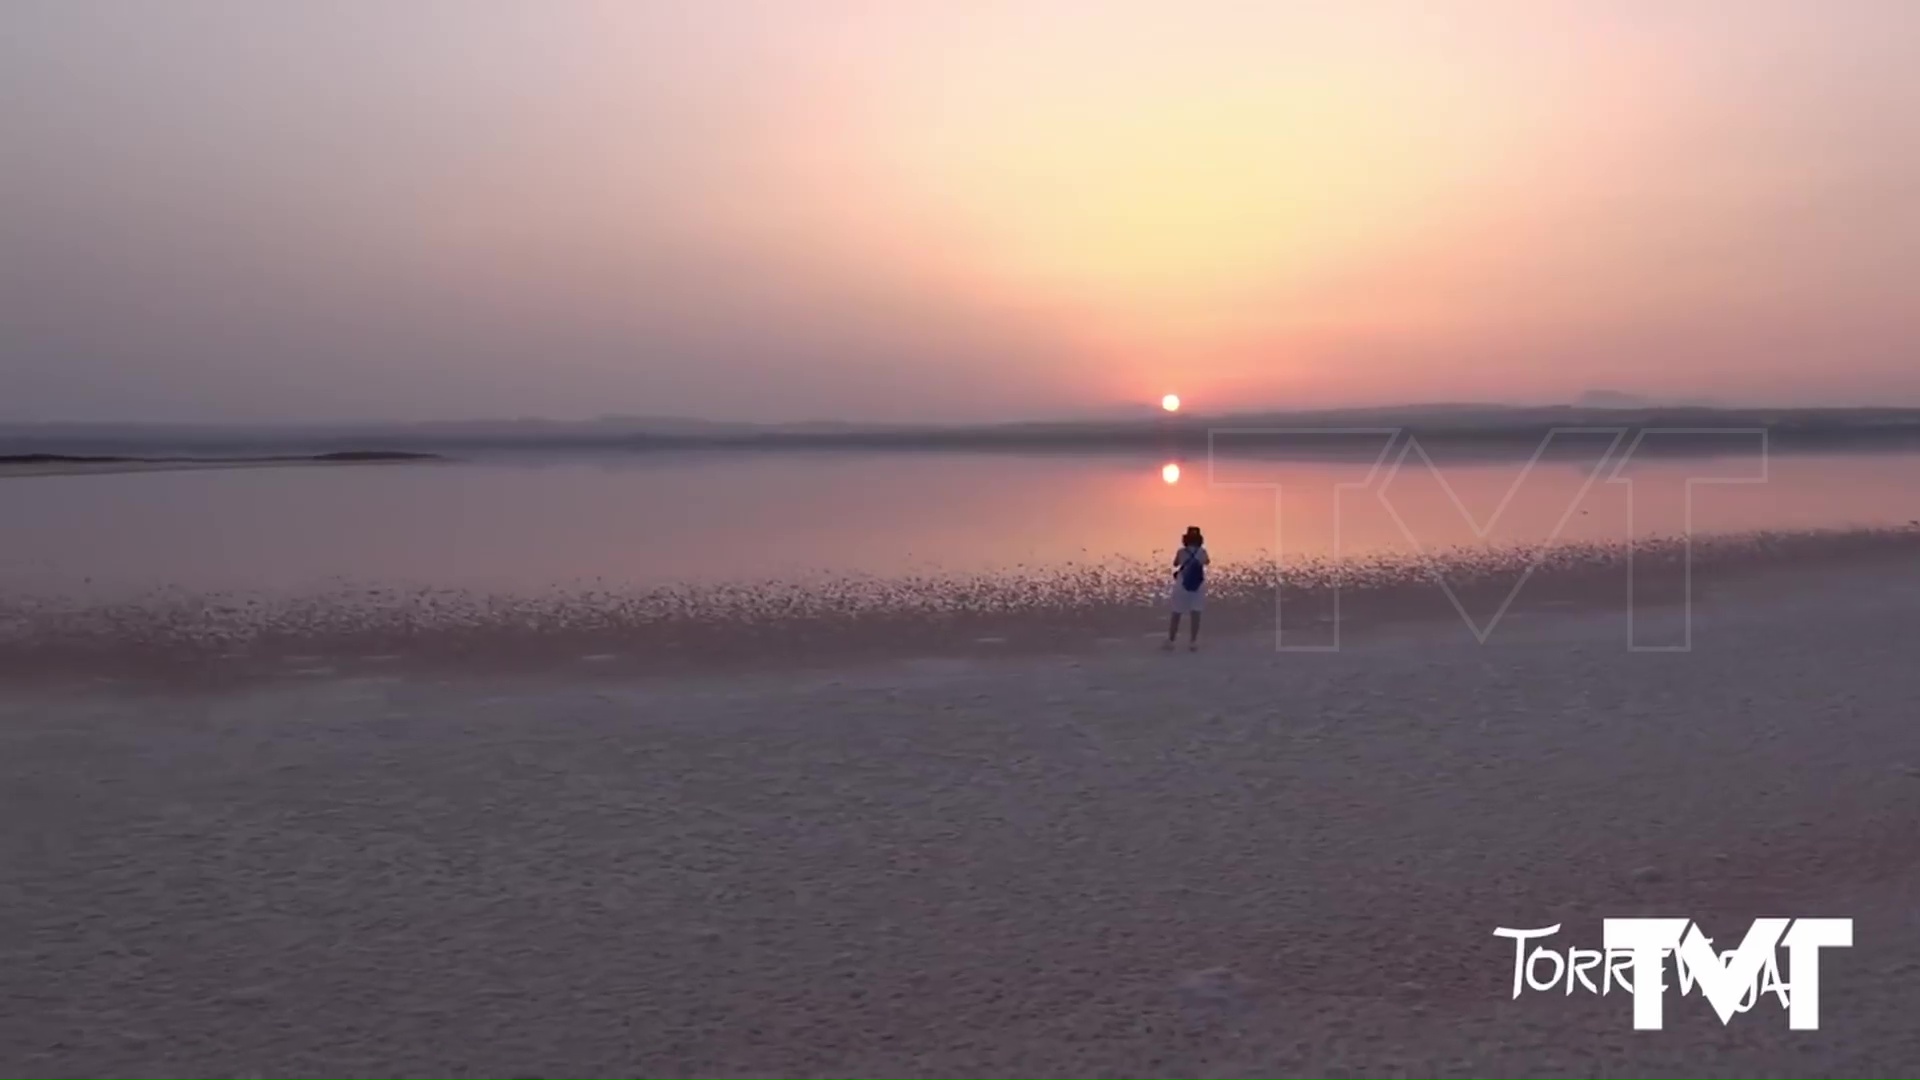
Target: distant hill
x,y
1615,399
1611,399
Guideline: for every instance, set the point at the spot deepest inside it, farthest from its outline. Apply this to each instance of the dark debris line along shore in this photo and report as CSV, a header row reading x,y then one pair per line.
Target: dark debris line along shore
x,y
175,633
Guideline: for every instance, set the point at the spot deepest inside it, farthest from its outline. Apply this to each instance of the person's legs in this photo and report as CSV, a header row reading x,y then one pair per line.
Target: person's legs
x,y
1173,628
1193,629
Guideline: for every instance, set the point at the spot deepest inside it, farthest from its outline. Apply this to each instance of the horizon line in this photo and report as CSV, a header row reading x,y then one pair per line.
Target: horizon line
x,y
1141,414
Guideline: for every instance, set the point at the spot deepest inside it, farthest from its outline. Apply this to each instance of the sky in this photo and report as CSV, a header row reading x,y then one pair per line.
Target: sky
x,y
226,210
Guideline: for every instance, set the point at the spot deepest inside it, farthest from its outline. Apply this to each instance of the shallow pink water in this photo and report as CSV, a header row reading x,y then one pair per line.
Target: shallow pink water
x,y
531,525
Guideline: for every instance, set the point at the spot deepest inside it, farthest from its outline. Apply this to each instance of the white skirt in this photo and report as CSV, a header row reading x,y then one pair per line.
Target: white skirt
x,y
1184,602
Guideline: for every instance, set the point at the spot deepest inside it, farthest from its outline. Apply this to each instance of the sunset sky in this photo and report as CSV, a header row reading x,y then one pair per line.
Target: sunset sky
x,y
897,209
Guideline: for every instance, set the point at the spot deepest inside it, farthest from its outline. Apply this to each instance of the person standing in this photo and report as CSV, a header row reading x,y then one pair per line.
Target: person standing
x,y
1189,593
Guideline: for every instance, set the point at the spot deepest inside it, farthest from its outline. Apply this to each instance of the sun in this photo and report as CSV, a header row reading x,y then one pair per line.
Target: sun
x,y
1171,403
1170,473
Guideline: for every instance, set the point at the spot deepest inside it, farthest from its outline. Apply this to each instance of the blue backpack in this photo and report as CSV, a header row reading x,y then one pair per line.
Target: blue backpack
x,y
1192,574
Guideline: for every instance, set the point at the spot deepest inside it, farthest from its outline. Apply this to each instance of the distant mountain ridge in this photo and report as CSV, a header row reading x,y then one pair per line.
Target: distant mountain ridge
x,y
1473,424
1615,399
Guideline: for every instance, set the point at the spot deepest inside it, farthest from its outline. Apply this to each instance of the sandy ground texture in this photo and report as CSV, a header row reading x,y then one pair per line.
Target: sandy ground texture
x,y
1124,863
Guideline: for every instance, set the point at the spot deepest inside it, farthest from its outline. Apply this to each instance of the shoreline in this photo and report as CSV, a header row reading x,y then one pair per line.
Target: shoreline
x,y
191,639
31,465
1503,434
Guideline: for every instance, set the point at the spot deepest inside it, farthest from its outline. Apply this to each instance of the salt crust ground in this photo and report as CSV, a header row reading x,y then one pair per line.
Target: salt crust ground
x,y
1125,863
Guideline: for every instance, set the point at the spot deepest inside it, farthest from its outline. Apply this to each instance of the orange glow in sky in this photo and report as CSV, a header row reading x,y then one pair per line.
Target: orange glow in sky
x,y
952,211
